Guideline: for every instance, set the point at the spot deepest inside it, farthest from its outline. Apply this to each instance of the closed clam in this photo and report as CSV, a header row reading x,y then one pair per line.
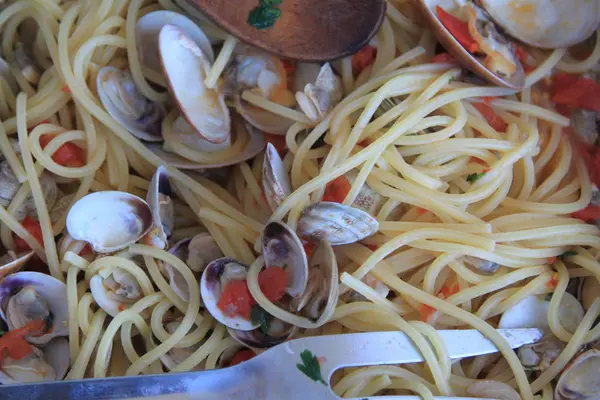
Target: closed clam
x,y
115,292
337,223
30,296
215,277
546,24
317,98
129,107
540,355
46,364
12,262
163,214
148,28
580,380
186,66
275,179
110,220
282,248
197,253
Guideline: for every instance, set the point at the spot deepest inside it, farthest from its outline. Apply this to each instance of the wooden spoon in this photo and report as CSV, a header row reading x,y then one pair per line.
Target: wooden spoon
x,y
307,30
516,81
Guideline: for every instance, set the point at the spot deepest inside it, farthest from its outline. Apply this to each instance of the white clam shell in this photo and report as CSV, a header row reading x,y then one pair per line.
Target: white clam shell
x,y
580,380
337,223
186,66
146,123
110,220
148,28
275,179
532,312
53,355
210,290
114,301
546,23
281,247
261,119
161,205
11,262
256,339
50,289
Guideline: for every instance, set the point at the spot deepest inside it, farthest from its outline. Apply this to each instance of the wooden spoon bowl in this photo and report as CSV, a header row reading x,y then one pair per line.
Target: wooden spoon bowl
x,y
516,81
308,30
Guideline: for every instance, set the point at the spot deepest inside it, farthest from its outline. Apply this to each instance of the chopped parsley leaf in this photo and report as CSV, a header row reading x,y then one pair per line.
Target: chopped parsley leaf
x,y
265,15
270,3
259,316
310,366
567,254
475,176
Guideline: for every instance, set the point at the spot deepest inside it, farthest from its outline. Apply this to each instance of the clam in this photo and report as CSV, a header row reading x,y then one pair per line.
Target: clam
x,y
110,220
580,380
163,214
29,296
318,98
124,102
367,199
117,292
9,185
12,262
148,28
186,66
337,223
589,290
255,145
546,24
265,76
184,133
532,312
197,253
277,332
26,65
282,248
215,277
484,266
43,365
177,355
318,301
540,355
275,179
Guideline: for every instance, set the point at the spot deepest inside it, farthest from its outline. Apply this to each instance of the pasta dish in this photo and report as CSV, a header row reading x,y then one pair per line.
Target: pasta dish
x,y
172,199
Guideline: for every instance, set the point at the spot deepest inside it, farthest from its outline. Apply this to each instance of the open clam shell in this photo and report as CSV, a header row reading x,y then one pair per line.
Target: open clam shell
x,y
275,179
12,262
282,248
254,146
116,292
186,66
320,298
278,332
197,253
588,291
43,365
262,119
124,102
337,223
148,28
211,289
515,81
532,312
546,24
28,296
160,202
319,97
580,380
110,220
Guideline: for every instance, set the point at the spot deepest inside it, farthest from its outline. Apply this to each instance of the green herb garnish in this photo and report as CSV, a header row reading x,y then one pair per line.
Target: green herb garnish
x,y
475,176
284,267
567,254
2,333
265,15
310,366
259,316
548,297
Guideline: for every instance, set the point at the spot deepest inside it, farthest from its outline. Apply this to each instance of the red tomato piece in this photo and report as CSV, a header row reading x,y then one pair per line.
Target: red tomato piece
x,y
278,141
337,190
363,58
273,282
33,227
443,58
67,155
491,117
241,356
236,300
458,28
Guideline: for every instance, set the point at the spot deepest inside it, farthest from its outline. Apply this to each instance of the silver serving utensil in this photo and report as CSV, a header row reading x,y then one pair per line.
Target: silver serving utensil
x,y
297,369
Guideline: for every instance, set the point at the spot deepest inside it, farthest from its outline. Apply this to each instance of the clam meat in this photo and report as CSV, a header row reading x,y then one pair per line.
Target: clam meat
x,y
117,292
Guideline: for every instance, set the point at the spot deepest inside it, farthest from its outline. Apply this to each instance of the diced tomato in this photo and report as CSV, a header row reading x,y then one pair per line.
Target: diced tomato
x,y
449,290
241,356
422,211
372,247
337,190
458,28
33,227
528,68
520,53
236,300
65,89
273,282
575,91
588,214
278,141
478,161
289,67
425,312
443,58
363,58
491,117
551,260
86,250
309,248
13,342
364,143
446,291
67,155
553,281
